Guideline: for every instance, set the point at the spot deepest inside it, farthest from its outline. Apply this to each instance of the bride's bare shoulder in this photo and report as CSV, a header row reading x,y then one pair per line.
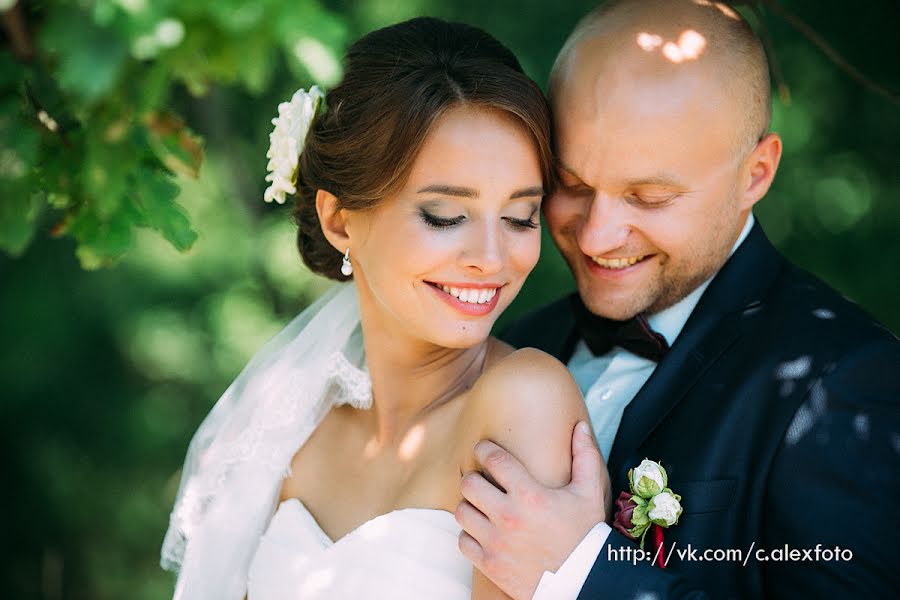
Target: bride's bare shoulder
x,y
528,403
526,371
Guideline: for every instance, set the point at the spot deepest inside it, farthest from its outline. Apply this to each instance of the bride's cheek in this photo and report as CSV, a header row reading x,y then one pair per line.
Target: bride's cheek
x,y
525,253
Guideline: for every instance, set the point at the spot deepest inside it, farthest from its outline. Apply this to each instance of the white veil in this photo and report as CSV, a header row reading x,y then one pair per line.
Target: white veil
x,y
241,452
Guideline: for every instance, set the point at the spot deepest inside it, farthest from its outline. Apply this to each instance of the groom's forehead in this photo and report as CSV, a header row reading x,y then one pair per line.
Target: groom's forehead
x,y
638,55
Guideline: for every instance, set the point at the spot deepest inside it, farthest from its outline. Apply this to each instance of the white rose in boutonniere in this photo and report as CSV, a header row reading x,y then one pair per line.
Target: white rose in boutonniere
x,y
286,142
647,479
651,505
664,509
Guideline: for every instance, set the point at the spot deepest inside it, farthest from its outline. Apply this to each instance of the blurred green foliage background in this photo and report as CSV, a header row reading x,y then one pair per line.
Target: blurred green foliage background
x,y
141,268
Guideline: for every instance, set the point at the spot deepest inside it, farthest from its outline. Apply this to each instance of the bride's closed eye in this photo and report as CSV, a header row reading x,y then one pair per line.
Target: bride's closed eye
x,y
521,224
440,222
445,222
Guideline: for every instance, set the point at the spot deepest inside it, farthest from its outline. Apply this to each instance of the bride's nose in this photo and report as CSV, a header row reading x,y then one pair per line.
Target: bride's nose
x,y
484,251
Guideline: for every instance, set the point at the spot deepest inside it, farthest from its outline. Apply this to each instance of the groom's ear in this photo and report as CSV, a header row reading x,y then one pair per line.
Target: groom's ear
x,y
760,168
333,220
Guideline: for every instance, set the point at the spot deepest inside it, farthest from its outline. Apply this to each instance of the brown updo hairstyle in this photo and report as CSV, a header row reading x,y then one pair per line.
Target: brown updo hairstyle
x,y
397,82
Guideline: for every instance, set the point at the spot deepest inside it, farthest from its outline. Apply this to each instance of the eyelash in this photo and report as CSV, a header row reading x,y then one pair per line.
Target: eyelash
x,y
442,223
522,224
640,202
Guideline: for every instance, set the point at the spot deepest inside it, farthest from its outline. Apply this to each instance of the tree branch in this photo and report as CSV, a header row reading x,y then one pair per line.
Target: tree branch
x,y
829,50
784,92
14,24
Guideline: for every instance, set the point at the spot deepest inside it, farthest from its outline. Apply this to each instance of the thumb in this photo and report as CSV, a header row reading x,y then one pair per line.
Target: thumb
x,y
588,468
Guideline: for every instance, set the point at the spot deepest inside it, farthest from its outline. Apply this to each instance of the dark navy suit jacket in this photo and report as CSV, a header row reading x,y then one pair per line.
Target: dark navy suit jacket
x,y
776,414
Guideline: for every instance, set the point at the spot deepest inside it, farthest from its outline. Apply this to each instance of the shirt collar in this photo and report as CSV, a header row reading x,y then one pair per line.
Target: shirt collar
x,y
670,322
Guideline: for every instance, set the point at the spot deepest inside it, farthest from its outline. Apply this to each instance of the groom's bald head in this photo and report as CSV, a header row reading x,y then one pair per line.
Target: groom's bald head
x,y
674,42
661,116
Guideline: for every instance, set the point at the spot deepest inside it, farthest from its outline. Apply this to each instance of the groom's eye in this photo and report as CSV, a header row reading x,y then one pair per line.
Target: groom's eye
x,y
572,184
650,200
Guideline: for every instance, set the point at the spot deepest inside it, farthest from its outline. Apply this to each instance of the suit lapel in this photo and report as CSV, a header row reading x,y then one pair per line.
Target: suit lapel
x,y
712,328
670,382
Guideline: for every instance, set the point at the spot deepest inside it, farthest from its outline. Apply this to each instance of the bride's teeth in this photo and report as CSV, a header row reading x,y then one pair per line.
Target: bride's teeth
x,y
471,295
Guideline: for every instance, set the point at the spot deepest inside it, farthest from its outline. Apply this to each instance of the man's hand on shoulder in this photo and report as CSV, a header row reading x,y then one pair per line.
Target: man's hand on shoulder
x,y
555,487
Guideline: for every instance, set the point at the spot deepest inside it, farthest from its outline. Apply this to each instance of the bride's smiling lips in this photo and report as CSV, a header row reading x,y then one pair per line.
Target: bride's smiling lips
x,y
473,299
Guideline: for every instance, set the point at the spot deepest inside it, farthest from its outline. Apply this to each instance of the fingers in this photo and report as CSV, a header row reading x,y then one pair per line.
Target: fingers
x,y
472,521
481,494
471,549
503,467
588,469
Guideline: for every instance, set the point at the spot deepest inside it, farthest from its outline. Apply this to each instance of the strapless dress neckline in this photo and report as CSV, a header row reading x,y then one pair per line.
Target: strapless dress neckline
x,y
303,512
404,554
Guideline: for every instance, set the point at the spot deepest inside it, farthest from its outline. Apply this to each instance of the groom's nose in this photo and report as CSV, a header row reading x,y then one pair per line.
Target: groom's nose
x,y
604,227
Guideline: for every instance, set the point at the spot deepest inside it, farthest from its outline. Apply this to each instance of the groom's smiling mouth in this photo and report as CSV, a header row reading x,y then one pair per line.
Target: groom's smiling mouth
x,y
619,263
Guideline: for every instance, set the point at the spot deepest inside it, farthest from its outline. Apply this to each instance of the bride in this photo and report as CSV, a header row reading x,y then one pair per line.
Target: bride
x,y
331,466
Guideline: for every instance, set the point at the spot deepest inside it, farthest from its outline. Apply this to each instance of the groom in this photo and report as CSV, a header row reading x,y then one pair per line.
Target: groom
x,y
771,401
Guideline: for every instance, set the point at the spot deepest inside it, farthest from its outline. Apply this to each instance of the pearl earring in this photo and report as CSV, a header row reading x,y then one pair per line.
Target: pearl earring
x,y
346,267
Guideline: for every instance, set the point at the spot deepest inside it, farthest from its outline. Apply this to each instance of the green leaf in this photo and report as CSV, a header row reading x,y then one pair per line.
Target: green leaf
x,y
100,242
106,175
18,216
639,515
174,144
155,195
153,90
256,63
237,16
646,487
90,58
11,72
19,206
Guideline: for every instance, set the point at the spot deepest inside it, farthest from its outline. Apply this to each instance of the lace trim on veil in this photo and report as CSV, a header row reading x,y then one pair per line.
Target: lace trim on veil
x,y
348,384
345,383
243,449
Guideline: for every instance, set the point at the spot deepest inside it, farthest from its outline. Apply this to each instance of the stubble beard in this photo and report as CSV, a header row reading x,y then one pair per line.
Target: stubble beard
x,y
671,284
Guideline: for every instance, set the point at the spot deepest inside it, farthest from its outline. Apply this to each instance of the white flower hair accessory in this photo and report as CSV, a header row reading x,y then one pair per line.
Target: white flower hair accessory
x,y
286,142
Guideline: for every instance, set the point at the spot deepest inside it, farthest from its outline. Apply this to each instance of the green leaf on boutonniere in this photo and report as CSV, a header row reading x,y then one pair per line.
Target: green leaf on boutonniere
x,y
639,517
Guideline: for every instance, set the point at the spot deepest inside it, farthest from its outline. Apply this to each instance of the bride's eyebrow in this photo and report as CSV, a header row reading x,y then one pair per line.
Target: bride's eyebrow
x,y
449,190
464,192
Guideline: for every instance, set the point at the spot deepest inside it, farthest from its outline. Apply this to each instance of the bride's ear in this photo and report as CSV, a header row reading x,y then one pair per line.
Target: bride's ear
x,y
333,220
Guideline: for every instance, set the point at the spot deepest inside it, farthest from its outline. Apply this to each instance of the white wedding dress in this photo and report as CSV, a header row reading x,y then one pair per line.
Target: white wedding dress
x,y
228,536
406,554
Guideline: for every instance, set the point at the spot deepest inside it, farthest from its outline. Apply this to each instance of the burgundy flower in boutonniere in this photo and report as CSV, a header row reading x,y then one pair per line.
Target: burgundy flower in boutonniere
x,y
624,522
650,504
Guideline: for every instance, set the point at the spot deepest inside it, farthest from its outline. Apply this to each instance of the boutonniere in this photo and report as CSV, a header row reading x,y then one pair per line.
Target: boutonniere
x,y
650,505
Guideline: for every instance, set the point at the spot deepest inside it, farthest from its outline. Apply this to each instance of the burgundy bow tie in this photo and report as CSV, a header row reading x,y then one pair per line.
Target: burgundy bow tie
x,y
602,335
